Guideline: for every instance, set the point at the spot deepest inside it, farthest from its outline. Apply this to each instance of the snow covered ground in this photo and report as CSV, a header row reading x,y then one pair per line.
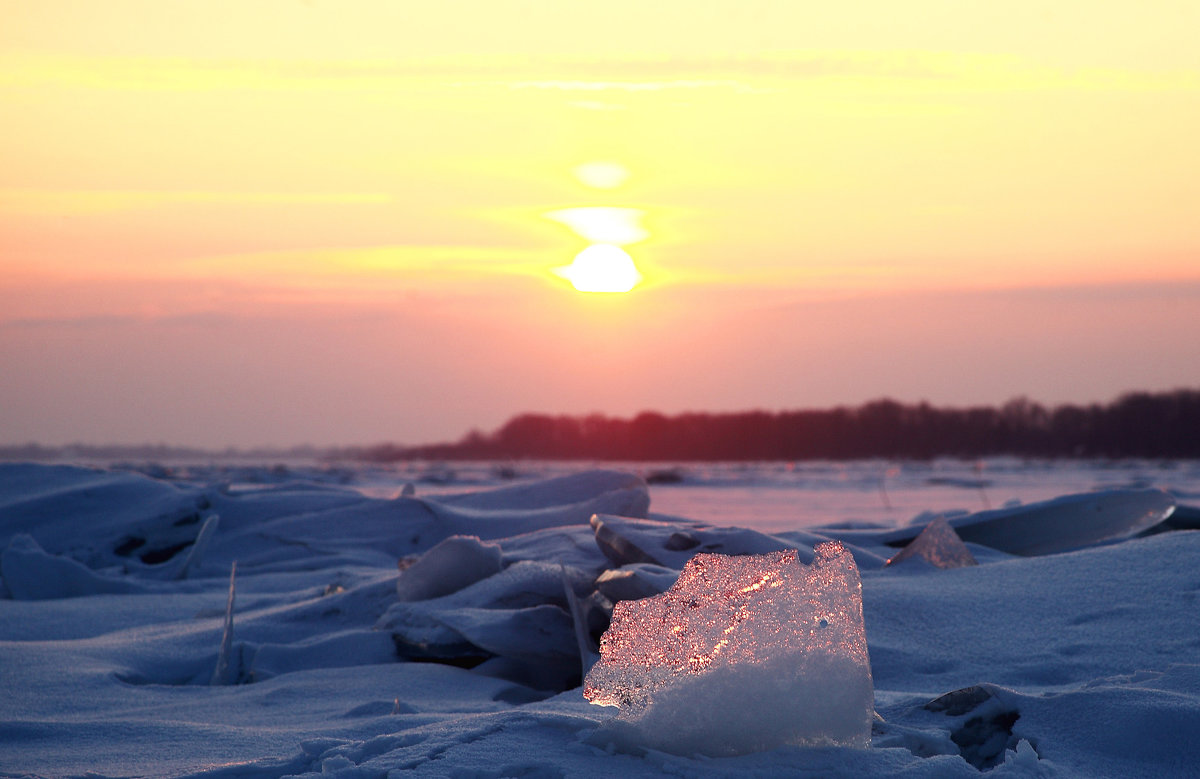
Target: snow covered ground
x,y
349,648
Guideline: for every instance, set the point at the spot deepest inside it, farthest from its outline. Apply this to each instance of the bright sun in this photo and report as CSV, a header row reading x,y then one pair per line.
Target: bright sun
x,y
601,267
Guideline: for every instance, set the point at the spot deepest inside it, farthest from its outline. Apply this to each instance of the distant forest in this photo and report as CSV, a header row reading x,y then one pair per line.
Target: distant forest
x,y
1163,425
1138,424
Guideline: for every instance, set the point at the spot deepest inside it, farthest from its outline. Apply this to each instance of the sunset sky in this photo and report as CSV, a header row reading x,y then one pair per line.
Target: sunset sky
x,y
288,221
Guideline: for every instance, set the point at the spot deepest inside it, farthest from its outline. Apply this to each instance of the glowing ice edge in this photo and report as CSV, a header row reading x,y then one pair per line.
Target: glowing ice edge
x,y
741,654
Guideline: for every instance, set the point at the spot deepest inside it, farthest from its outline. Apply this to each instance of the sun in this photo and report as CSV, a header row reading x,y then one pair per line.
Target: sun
x,y
601,267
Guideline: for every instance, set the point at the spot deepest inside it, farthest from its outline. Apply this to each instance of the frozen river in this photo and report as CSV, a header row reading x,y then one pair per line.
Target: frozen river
x,y
447,633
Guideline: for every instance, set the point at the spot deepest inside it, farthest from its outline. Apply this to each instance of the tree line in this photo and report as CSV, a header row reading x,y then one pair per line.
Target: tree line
x,y
1137,424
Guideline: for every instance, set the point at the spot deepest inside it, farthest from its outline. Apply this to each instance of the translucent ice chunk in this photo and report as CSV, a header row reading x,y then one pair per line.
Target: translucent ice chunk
x,y
741,654
454,563
939,546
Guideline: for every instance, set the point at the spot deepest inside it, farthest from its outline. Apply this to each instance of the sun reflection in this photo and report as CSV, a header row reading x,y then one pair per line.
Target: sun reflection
x,y
600,174
601,267
603,224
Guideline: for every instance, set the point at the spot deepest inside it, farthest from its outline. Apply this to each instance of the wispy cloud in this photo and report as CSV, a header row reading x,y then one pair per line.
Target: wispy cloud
x,y
406,261
337,281
38,201
634,73
627,86
597,105
96,321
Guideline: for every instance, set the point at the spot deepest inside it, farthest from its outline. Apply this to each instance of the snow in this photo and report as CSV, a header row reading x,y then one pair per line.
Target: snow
x,y
1069,650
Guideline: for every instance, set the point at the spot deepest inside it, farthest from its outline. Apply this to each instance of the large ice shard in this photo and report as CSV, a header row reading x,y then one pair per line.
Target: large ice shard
x,y
741,654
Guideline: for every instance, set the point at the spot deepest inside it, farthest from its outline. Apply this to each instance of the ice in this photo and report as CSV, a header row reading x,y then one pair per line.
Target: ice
x,y
1088,657
741,654
449,566
635,581
587,649
520,615
1184,517
525,508
671,543
196,555
622,492
937,545
624,540
30,573
226,672
1069,522
1062,524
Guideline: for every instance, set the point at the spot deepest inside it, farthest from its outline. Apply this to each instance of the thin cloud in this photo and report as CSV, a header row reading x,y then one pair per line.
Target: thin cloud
x,y
627,86
629,74
77,201
369,273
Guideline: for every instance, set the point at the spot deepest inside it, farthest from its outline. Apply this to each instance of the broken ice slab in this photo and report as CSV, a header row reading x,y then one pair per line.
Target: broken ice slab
x,y
635,581
519,614
1183,518
625,541
937,545
741,654
1046,527
524,508
28,572
588,655
1065,523
454,563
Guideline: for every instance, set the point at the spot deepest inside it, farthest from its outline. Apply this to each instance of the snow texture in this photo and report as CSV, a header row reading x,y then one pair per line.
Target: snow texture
x,y
742,654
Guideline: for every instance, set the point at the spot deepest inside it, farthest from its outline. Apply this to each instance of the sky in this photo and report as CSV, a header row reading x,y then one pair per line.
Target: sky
x,y
283,222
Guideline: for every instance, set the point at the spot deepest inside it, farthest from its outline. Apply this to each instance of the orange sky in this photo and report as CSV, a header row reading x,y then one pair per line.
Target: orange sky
x,y
332,222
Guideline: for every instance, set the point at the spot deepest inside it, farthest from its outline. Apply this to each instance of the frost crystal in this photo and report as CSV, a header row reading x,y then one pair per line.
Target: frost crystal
x,y
741,654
